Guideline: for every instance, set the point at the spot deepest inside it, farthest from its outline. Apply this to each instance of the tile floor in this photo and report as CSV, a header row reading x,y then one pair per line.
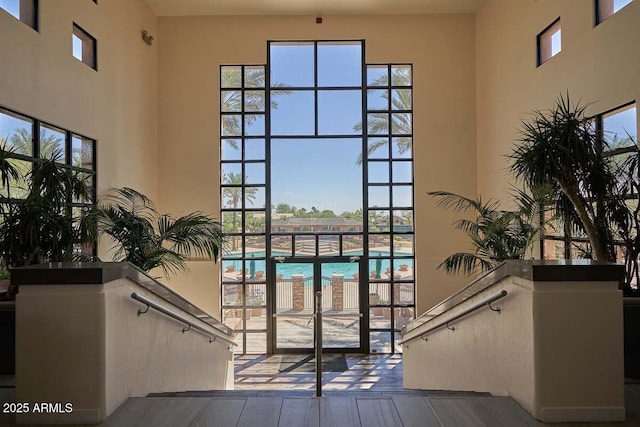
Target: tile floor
x,y
365,373
272,391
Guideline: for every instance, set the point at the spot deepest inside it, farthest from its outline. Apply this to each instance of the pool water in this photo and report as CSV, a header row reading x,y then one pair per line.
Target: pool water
x,y
287,269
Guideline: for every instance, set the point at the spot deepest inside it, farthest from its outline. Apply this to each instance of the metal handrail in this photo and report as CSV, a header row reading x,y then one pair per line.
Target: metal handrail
x,y
149,303
487,301
318,325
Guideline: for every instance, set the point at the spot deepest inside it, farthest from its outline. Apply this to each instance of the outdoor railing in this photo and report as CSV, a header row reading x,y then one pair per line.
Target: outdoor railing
x,y
285,294
350,295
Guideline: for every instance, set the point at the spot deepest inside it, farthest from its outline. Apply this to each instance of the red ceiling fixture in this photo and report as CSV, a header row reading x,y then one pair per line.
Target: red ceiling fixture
x,y
319,20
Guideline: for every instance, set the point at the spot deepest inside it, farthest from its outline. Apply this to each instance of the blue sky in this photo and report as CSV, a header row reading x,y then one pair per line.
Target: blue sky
x,y
11,6
621,124
619,4
320,173
317,173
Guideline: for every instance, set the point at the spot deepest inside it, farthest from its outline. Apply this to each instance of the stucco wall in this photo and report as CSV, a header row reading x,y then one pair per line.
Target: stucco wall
x,y
60,350
116,105
150,353
555,347
597,65
486,352
86,345
442,51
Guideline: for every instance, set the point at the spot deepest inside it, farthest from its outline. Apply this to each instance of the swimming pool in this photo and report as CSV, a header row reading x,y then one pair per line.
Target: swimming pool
x,y
287,269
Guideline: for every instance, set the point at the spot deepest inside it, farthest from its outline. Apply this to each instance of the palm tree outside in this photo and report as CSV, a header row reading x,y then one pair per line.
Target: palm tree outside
x,y
233,197
254,100
378,122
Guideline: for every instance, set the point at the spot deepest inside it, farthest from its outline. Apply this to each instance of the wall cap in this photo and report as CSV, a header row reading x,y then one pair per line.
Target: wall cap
x,y
538,270
99,273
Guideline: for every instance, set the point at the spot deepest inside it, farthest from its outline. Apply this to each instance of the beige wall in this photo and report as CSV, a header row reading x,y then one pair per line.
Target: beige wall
x,y
60,350
150,354
486,352
117,105
555,347
154,109
86,345
441,48
598,65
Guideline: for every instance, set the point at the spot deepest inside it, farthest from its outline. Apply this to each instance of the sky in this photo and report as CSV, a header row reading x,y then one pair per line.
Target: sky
x,y
317,173
320,173
11,6
619,4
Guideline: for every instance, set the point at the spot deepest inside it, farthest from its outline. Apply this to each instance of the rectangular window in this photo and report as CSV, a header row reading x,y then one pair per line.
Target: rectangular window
x,y
549,42
283,127
24,10
606,8
84,47
618,129
30,139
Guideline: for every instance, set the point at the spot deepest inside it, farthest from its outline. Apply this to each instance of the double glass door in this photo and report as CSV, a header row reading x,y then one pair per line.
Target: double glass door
x,y
296,283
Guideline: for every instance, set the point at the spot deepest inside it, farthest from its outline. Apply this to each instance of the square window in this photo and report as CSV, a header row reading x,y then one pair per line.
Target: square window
x,y
377,75
82,152
17,132
619,127
549,42
52,144
606,8
254,76
231,76
84,47
24,10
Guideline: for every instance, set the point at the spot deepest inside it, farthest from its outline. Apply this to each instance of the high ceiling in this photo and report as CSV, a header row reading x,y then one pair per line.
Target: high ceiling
x,y
310,7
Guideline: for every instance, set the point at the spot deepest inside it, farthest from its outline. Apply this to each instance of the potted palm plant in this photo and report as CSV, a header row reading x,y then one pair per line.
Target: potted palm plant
x,y
149,240
43,225
496,234
594,195
559,147
38,225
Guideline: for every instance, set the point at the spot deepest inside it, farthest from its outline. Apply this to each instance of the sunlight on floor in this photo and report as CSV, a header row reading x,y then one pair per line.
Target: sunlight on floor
x,y
296,372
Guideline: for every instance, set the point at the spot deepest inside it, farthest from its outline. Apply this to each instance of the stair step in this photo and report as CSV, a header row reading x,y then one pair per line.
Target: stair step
x,y
311,393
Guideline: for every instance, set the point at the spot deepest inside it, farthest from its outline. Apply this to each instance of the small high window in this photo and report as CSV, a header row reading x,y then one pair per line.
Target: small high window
x,y
24,10
606,8
84,47
549,42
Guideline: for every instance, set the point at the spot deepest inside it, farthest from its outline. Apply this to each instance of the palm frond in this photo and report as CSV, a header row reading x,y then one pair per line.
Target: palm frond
x,y
466,263
151,240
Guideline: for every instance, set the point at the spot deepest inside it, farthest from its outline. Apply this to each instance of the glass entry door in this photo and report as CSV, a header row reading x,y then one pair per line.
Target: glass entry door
x,y
296,284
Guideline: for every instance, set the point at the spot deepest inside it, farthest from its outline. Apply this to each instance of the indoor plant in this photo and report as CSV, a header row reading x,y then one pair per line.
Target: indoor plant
x,y
42,225
148,239
496,235
559,147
